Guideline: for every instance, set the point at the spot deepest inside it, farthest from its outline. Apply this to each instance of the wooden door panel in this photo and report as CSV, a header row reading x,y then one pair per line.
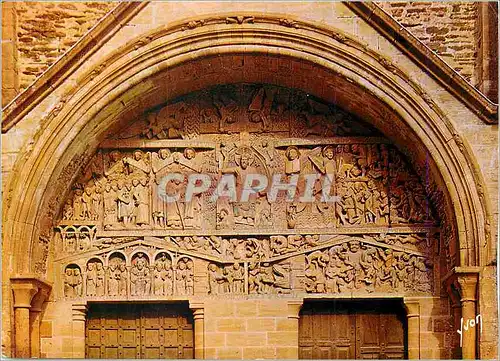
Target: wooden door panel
x,y
151,338
321,325
306,329
343,330
111,352
139,331
367,328
93,337
129,352
171,338
93,352
306,352
325,334
128,337
368,340
393,330
188,353
343,352
171,353
322,353
187,338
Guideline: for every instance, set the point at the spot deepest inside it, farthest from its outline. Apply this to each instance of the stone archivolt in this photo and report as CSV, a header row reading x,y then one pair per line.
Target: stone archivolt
x,y
117,237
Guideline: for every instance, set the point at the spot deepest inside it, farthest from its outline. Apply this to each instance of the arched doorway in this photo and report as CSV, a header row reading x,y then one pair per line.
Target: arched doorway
x,y
105,105
273,193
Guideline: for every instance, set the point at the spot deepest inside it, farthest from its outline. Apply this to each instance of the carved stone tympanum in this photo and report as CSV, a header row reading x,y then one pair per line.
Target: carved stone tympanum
x,y
247,189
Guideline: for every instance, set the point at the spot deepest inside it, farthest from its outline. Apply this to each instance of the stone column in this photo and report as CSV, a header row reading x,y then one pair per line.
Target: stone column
x,y
79,315
23,295
35,319
456,311
199,329
412,308
468,287
294,307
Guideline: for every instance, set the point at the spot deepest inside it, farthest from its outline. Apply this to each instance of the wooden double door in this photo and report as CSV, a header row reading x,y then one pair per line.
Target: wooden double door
x,y
352,330
160,331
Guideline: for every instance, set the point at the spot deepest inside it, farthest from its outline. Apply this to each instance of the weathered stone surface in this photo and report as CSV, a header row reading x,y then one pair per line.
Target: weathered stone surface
x,y
47,30
247,304
446,28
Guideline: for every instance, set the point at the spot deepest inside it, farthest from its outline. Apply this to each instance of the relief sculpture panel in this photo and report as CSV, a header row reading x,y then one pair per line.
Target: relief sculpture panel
x,y
246,189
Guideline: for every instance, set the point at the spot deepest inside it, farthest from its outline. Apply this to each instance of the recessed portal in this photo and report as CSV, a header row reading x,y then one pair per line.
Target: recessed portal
x,y
158,331
352,330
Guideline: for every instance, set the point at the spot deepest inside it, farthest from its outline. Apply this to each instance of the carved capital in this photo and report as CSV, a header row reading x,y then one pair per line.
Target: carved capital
x,y
25,289
198,309
412,307
38,300
198,313
468,286
23,294
294,307
79,311
461,284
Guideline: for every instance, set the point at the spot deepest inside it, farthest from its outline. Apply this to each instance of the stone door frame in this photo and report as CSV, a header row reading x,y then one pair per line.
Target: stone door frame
x,y
79,315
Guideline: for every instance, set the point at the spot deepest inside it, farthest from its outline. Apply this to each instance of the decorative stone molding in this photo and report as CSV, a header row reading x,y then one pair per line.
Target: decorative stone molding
x,y
79,312
35,320
294,307
198,309
240,19
29,295
461,284
26,287
412,307
23,295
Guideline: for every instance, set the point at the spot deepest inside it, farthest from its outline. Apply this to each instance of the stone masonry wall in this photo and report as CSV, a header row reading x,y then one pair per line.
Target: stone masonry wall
x,y
445,27
46,30
252,329
249,329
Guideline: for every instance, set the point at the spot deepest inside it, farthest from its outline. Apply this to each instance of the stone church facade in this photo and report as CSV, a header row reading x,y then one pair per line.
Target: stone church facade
x,y
249,181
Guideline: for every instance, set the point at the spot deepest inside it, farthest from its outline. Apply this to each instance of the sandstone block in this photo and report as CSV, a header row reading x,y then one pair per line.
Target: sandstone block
x,y
46,329
286,324
283,338
261,324
228,353
231,325
245,308
259,353
215,339
287,352
246,339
